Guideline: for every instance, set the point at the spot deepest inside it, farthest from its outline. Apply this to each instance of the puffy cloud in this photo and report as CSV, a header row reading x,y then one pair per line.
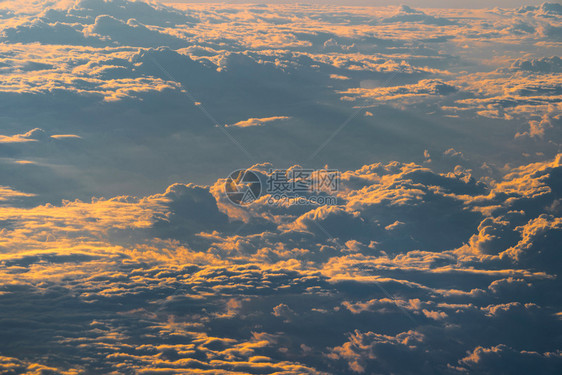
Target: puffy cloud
x,y
505,359
543,65
130,33
368,352
406,14
403,93
190,209
43,32
282,311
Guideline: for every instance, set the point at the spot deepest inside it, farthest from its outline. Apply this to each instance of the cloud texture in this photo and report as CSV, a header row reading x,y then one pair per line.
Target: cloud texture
x,y
120,252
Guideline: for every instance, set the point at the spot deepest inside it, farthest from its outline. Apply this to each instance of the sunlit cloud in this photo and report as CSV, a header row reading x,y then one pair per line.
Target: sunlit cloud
x,y
258,121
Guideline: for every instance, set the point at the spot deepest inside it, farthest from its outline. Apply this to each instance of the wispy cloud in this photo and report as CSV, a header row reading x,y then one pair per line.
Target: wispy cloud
x,y
258,121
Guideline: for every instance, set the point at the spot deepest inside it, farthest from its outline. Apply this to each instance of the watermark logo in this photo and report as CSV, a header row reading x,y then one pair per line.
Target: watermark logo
x,y
243,187
284,187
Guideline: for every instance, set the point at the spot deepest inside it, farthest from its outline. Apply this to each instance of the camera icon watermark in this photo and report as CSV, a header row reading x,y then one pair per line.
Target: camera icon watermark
x,y
243,187
283,187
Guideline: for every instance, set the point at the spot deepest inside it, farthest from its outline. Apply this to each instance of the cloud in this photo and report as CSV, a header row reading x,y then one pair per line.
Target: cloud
x,y
543,65
130,33
65,136
367,352
191,209
406,14
34,135
46,33
403,93
517,362
10,365
31,136
258,121
8,194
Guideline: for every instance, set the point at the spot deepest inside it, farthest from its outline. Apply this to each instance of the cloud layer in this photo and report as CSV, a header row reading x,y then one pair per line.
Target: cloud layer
x,y
121,253
411,261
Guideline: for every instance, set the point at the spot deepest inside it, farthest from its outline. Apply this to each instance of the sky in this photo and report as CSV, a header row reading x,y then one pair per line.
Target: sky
x,y
293,188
